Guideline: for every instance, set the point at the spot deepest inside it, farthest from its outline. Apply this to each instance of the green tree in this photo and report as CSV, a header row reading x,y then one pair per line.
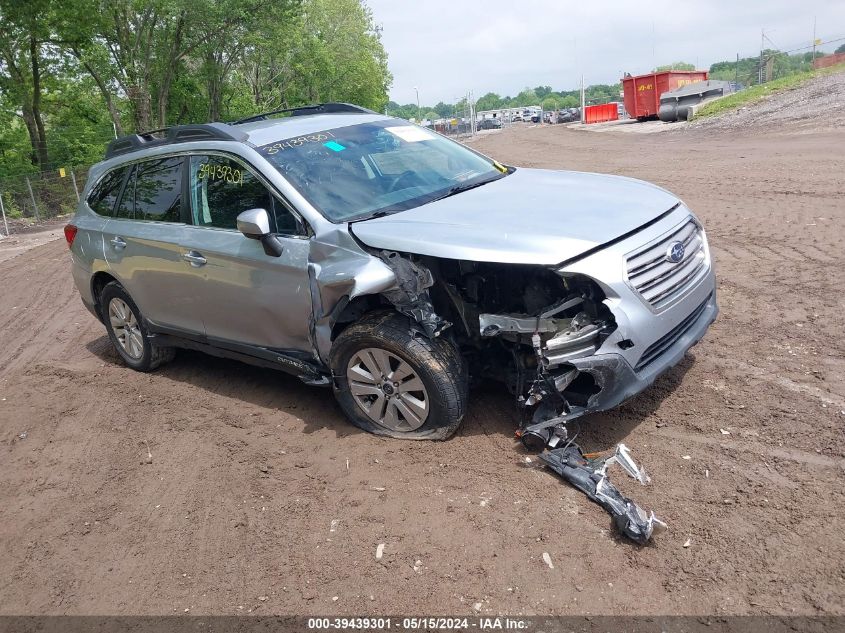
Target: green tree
x,y
840,49
525,98
675,66
74,74
78,124
341,56
490,101
24,66
15,147
444,110
746,70
570,101
542,91
243,25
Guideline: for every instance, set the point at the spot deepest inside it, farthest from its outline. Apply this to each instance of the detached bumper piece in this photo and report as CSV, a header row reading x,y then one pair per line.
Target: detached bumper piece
x,y
590,477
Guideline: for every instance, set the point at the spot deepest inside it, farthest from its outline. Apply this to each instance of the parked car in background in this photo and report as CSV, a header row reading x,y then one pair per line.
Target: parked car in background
x,y
365,254
565,116
489,124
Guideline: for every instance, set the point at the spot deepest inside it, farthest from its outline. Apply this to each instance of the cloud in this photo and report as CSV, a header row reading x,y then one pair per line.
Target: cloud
x,y
448,48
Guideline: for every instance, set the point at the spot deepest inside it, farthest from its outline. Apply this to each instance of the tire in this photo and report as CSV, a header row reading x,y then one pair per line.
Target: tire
x,y
131,341
437,365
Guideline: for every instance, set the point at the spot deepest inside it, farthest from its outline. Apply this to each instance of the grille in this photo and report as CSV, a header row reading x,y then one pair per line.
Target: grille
x,y
667,340
660,281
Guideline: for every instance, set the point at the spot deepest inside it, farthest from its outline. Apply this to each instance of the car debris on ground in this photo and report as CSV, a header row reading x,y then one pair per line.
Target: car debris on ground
x,y
589,475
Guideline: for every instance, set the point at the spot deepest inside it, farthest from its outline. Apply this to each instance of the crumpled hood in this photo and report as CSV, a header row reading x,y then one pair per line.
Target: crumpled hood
x,y
532,216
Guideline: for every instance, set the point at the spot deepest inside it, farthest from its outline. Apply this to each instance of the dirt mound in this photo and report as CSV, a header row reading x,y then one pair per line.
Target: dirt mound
x,y
818,104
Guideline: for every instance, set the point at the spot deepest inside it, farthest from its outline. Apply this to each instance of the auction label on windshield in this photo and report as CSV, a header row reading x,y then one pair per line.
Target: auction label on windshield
x,y
299,141
410,133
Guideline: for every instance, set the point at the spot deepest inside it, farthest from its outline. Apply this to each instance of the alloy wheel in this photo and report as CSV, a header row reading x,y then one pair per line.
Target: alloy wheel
x,y
126,329
387,389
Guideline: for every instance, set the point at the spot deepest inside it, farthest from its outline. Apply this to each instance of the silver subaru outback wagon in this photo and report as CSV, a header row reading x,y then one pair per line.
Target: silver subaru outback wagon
x,y
366,254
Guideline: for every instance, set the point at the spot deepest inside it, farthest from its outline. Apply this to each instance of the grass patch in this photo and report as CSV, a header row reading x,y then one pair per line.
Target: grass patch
x,y
755,94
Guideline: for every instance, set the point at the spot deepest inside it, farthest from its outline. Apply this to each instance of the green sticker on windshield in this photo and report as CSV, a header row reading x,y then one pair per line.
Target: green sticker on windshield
x,y
334,146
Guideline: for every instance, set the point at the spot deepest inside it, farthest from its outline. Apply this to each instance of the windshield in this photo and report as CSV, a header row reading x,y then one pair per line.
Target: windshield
x,y
372,169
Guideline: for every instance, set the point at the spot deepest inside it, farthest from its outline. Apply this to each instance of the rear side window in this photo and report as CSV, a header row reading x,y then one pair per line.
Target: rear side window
x,y
158,190
105,194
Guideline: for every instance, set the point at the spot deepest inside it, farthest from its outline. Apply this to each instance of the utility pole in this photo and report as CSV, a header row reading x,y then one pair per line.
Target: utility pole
x,y
417,90
3,210
471,98
582,98
814,40
762,40
736,74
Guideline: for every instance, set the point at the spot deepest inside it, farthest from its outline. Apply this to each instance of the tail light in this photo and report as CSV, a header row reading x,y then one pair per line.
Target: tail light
x,y
70,234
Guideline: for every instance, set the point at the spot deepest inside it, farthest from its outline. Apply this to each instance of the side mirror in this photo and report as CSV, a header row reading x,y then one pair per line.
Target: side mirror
x,y
255,224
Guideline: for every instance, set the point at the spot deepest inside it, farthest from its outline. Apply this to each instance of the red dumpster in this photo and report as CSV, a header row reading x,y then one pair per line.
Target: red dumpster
x,y
642,93
601,113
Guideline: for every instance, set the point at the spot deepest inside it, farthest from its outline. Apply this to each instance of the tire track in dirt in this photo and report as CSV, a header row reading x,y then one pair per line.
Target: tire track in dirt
x,y
40,305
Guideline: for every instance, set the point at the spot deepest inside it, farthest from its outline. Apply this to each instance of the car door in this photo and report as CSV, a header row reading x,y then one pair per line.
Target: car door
x,y
248,297
143,245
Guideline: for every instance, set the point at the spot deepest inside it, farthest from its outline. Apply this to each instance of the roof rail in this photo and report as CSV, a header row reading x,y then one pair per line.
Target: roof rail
x,y
317,108
175,134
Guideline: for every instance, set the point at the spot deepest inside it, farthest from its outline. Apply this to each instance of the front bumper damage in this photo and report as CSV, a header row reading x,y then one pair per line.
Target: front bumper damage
x,y
590,477
615,381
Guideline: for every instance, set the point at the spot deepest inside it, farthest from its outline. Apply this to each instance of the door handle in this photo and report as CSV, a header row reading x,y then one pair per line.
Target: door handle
x,y
118,243
195,259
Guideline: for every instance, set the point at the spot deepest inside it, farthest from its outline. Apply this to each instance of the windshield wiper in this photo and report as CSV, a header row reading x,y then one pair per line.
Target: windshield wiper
x,y
465,186
374,214
409,204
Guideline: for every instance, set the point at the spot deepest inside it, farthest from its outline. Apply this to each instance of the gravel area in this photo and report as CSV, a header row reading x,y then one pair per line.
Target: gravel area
x,y
816,105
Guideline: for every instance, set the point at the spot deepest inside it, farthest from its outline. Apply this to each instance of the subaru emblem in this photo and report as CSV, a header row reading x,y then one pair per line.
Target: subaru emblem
x,y
675,252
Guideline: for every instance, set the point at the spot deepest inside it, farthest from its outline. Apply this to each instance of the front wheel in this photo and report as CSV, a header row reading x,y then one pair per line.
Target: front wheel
x,y
391,380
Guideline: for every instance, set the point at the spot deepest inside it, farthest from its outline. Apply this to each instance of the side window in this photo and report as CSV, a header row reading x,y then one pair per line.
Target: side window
x,y
105,194
221,189
158,190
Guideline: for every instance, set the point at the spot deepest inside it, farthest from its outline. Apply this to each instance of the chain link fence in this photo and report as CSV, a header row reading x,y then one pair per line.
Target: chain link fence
x,y
35,198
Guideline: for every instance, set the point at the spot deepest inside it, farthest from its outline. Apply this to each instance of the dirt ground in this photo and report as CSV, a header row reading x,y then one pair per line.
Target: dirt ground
x,y
261,498
24,235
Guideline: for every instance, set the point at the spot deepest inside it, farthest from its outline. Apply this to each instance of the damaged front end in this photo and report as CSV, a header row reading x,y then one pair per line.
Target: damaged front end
x,y
538,331
546,343
532,328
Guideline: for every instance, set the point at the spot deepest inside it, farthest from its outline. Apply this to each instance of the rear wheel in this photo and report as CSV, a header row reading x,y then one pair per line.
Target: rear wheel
x,y
126,330
391,380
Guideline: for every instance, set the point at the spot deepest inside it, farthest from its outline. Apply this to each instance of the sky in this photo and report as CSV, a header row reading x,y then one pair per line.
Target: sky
x,y
447,48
